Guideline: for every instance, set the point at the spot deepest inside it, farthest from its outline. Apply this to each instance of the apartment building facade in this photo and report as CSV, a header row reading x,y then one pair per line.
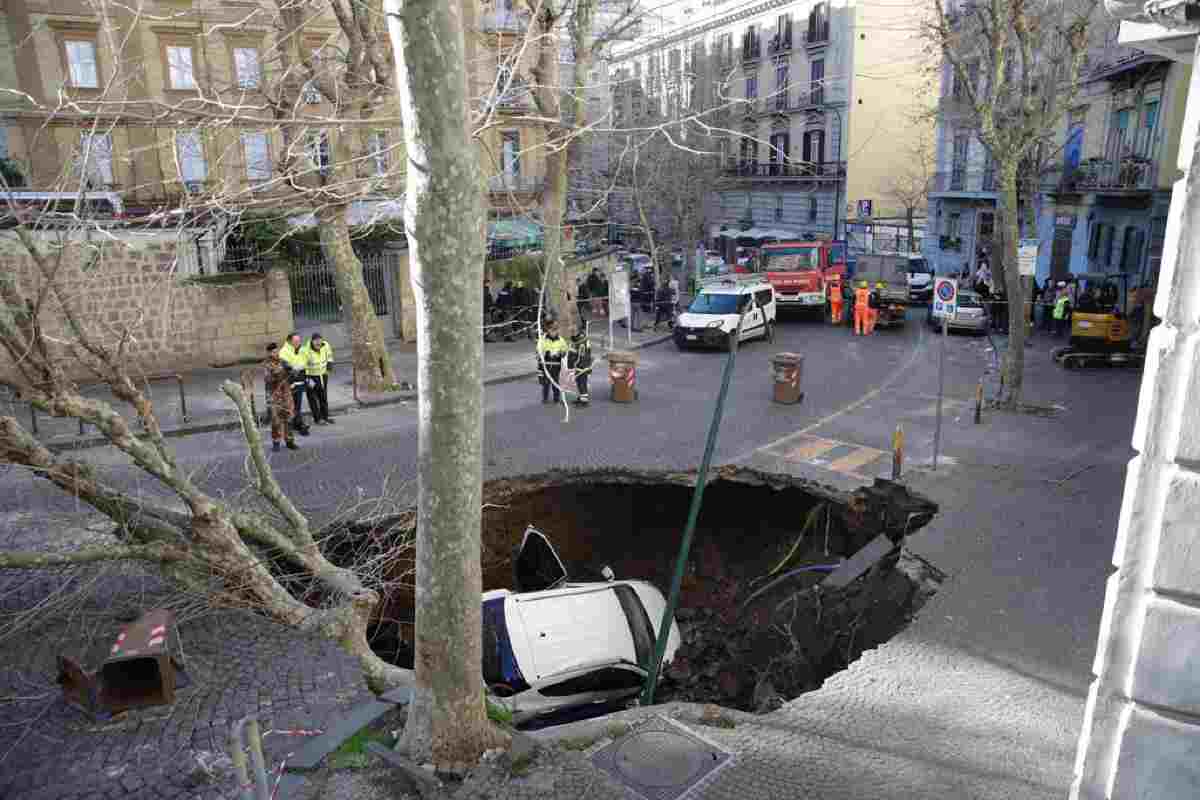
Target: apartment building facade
x,y
811,107
1099,190
963,193
175,101
179,106
1105,197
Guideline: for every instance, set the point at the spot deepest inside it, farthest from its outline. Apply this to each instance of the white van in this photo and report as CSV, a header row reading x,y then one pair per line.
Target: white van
x,y
712,318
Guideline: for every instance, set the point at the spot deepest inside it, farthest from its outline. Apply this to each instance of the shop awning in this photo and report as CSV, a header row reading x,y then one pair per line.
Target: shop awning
x,y
515,232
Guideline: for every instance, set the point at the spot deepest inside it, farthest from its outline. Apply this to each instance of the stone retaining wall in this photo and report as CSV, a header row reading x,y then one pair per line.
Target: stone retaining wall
x,y
131,286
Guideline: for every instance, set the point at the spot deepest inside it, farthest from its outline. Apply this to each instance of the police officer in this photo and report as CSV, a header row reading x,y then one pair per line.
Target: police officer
x,y
292,354
318,363
279,398
551,349
579,359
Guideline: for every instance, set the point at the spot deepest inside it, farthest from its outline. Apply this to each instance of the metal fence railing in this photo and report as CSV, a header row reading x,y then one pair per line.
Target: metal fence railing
x,y
313,285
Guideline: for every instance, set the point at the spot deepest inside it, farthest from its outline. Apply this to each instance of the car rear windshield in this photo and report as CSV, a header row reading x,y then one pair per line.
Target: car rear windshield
x,y
639,623
500,669
968,301
706,303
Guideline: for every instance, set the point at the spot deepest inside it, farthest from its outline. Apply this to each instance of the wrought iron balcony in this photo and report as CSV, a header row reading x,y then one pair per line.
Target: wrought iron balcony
x,y
515,182
1129,174
787,172
780,42
817,35
961,179
504,22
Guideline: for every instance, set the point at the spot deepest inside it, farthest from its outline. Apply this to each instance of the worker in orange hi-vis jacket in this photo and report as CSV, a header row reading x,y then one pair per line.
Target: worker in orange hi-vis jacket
x,y
835,299
872,312
862,308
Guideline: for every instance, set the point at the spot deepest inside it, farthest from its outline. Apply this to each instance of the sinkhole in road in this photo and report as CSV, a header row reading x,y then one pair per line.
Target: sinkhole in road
x,y
758,628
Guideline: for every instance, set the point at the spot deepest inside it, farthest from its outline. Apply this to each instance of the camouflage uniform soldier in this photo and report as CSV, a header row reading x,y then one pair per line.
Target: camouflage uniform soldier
x,y
279,398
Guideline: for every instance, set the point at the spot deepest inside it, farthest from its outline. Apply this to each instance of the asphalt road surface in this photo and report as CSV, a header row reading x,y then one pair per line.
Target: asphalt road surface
x,y
666,427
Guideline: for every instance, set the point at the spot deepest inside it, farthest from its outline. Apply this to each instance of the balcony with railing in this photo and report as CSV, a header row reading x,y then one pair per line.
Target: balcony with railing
x,y
786,172
960,180
787,100
781,42
515,182
817,35
1104,175
516,99
504,22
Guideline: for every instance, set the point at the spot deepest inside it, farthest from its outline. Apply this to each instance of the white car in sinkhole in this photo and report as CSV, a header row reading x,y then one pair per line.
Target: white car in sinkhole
x,y
555,645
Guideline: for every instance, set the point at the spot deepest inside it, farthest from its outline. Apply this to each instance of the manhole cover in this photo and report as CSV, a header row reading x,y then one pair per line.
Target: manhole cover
x,y
662,760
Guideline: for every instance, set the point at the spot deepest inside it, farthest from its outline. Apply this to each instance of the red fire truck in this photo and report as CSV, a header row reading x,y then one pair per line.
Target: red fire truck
x,y
799,269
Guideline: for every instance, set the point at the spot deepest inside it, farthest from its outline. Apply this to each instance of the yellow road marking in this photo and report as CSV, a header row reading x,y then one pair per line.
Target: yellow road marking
x,y
812,449
871,395
859,458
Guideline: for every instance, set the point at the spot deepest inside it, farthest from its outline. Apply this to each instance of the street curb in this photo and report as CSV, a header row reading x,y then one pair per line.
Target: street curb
x,y
388,400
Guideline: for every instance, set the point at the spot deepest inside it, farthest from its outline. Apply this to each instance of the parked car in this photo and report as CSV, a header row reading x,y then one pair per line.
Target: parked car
x,y
920,278
971,314
636,262
554,645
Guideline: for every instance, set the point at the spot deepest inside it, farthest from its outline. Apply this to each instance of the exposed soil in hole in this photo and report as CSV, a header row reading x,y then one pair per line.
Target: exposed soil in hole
x,y
750,641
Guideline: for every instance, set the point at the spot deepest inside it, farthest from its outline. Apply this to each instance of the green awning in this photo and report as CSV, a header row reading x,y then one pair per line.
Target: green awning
x,y
515,232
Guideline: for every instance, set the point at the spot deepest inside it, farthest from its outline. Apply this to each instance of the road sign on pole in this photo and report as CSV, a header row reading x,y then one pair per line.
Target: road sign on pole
x,y
945,297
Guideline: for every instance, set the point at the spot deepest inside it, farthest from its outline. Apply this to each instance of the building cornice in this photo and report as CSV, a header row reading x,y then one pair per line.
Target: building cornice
x,y
701,28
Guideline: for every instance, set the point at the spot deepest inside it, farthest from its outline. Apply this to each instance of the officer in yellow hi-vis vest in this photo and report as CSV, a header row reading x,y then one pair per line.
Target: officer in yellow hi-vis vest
x,y
551,350
318,363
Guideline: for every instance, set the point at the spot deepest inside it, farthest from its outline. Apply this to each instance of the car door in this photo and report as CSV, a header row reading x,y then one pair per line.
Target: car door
x,y
604,683
753,324
537,566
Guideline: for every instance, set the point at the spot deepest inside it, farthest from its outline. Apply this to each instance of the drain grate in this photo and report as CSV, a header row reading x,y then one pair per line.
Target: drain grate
x,y
661,760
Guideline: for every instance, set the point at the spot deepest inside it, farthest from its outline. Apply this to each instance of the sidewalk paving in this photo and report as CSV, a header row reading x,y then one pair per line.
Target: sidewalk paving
x,y
208,409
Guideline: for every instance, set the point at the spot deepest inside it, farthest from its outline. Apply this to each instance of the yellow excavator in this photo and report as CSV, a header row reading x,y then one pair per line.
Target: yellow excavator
x,y
1100,331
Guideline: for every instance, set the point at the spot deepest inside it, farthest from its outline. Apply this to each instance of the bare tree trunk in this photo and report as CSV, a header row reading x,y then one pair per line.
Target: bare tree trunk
x,y
647,229
912,234
1014,358
447,722
556,287
372,366
562,143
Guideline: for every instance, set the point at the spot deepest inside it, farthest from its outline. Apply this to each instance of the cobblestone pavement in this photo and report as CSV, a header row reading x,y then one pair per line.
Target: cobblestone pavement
x,y
237,663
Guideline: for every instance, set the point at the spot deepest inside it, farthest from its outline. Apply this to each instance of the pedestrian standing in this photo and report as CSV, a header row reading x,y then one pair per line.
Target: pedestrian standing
x,y
318,360
292,355
579,359
583,298
663,306
551,350
279,398
596,292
